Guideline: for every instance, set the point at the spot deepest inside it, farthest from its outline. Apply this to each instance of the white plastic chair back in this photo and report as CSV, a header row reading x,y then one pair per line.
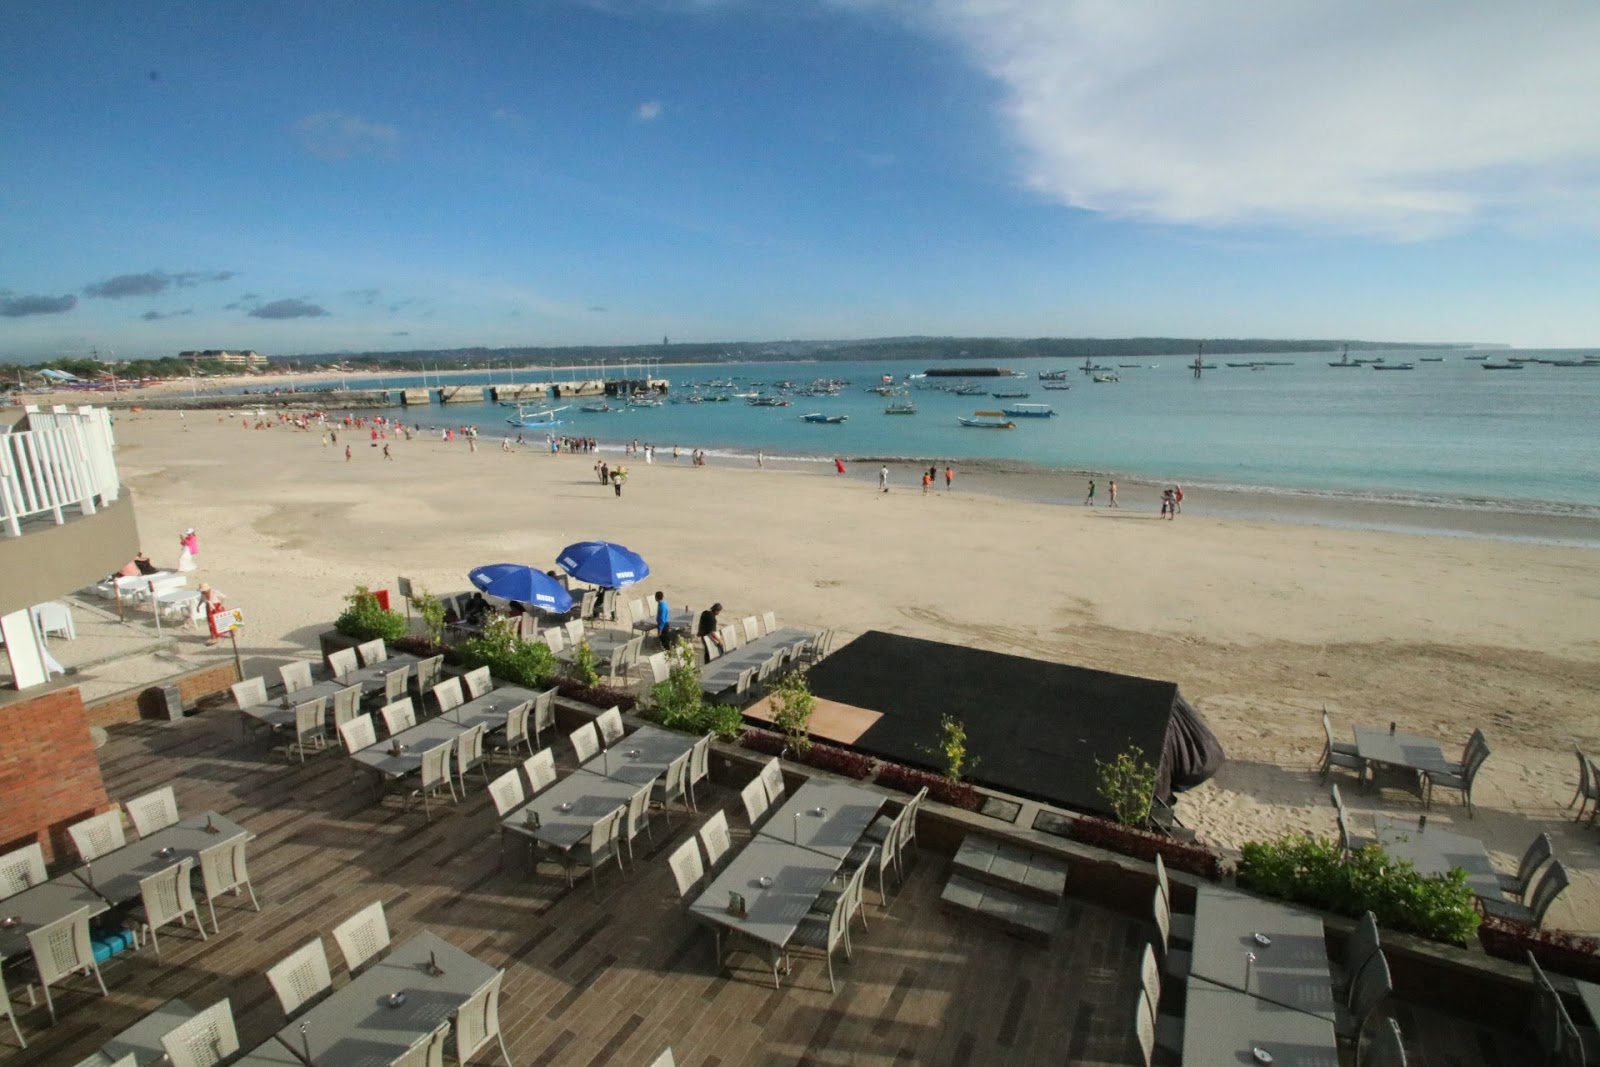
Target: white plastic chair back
x,y
752,627
208,1038
61,948
448,694
659,669
343,662
664,1060
731,638
556,640
296,676
428,672
544,711
469,751
22,868
585,742
310,724
346,704
517,725
638,613
224,869
714,835
374,651
541,771
700,761
675,782
687,869
772,779
713,650
300,977
362,936
478,1020
168,896
156,810
249,693
610,724
401,715
478,682
54,617
506,792
574,630
436,766
358,733
770,621
638,812
394,684
754,795
428,1051
97,835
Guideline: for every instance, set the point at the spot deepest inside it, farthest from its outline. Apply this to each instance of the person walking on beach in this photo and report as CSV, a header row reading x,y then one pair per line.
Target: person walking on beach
x,y
1088,501
347,453
838,464
883,477
1177,499
927,480
1167,503
761,459
1111,493
386,451
949,476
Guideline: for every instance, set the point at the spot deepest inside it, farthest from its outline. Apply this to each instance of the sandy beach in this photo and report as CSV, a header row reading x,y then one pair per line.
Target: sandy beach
x,y
1262,624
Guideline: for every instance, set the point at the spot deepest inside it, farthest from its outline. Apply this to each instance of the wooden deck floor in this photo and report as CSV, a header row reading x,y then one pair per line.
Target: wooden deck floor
x,y
613,981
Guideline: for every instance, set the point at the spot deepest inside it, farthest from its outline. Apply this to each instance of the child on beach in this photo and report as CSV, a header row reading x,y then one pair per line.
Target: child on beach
x,y
949,476
1111,493
1088,501
883,477
927,480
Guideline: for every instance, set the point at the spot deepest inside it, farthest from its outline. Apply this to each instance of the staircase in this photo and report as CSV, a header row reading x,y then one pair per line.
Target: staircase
x,y
1016,887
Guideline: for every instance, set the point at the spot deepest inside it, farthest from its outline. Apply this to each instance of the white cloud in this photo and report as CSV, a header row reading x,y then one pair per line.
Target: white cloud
x,y
1401,119
339,136
648,111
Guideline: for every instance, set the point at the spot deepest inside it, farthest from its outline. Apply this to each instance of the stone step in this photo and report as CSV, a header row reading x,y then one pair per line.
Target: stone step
x,y
1012,867
1024,916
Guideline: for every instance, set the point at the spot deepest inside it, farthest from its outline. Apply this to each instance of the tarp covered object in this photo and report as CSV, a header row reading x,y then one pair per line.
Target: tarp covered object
x,y
1191,753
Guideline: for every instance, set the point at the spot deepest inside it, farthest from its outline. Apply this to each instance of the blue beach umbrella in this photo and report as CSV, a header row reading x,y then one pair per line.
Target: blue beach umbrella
x,y
603,563
522,583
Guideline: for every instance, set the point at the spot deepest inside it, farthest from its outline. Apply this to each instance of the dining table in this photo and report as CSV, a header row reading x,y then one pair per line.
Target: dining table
x,y
825,817
40,905
723,672
491,708
1228,1026
1269,950
116,875
764,892
1437,851
565,813
401,754
371,679
143,1039
641,757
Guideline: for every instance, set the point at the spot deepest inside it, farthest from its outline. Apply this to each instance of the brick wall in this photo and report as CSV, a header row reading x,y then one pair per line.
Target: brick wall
x,y
49,773
194,686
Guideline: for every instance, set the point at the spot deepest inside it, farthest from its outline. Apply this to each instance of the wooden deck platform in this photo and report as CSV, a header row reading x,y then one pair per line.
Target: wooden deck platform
x,y
607,982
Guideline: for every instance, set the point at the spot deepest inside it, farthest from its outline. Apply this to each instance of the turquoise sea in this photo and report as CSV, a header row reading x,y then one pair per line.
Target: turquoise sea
x,y
1447,433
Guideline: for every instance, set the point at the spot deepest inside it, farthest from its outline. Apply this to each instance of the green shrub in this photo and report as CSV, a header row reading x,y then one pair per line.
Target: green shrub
x,y
508,656
431,608
583,670
679,704
1127,785
365,619
792,705
1313,871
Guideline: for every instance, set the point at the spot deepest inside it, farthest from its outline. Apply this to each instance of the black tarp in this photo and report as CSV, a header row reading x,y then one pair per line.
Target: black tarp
x,y
1036,728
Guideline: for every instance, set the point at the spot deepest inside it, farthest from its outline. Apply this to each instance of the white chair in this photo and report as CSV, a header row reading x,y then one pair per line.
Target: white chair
x,y
223,870
610,725
754,795
661,670
300,977
556,640
574,631
602,845
363,937
507,793
716,839
752,628
770,621
296,676
687,870
399,716
824,932
585,742
772,779
514,737
155,810
469,754
699,767
22,868
586,603
544,712
639,817
165,897
428,672
54,617
358,733
850,893
310,727
731,637
98,834
541,771
343,662
426,1051
639,617
374,651
666,1059
478,1020
1179,924
250,693
447,694
206,1039
394,684
61,948
346,705
478,683
674,785
11,1015
434,772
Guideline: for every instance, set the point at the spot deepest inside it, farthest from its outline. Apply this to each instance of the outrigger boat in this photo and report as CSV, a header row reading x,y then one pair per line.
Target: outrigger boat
x,y
537,419
595,409
902,408
829,420
987,420
1011,396
1029,411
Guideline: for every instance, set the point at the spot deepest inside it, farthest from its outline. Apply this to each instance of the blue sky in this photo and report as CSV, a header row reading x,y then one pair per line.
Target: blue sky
x,y
304,177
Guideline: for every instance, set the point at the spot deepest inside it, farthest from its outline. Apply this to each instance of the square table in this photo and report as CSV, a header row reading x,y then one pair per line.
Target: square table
x,y
1225,1026
1433,850
723,672
116,875
846,812
1291,971
1377,745
143,1038
491,708
41,905
642,756
371,679
357,1026
381,759
279,711
772,912
587,797
270,1053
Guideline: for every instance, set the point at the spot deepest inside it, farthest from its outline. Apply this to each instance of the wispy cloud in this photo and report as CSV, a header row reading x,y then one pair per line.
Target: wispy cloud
x,y
1401,120
288,309
648,111
157,316
152,282
336,135
16,307
364,296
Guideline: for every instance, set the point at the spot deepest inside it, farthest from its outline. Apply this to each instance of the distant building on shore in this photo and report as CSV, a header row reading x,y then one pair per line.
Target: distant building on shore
x,y
250,358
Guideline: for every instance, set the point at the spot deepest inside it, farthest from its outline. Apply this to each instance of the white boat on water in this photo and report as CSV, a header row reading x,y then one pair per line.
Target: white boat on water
x,y
1029,411
533,420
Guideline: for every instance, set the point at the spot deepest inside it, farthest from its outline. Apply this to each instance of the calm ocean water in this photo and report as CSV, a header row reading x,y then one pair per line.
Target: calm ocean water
x,y
1445,433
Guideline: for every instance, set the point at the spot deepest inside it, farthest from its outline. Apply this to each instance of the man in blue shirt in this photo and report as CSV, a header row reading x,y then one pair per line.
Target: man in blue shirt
x,y
663,615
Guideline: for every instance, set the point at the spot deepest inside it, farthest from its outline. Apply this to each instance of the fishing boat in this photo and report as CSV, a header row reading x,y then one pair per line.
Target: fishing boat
x,y
969,390
1102,379
1393,366
1057,387
1345,360
1477,357
1430,359
644,400
987,420
769,401
1502,366
533,420
826,420
595,409
1010,396
1130,366
1053,375
904,407
1029,411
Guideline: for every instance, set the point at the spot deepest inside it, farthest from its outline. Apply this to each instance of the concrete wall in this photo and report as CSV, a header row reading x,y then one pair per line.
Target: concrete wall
x,y
49,773
130,705
49,561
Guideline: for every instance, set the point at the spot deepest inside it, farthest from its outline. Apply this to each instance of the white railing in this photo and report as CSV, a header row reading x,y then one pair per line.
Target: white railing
x,y
54,460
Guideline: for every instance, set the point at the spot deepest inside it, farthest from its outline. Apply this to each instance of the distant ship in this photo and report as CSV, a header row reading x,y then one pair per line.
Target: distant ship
x,y
829,420
533,420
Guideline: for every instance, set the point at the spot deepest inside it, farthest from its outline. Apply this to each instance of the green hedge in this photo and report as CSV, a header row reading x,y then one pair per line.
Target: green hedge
x,y
526,663
365,619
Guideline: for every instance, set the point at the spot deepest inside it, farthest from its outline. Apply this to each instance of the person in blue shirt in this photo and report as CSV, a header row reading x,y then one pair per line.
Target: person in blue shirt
x,y
663,617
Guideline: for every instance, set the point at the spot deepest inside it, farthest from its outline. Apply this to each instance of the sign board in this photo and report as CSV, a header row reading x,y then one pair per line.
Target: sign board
x,y
232,619
405,587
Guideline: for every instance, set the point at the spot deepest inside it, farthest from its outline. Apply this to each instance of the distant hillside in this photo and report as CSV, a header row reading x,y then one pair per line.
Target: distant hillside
x,y
972,349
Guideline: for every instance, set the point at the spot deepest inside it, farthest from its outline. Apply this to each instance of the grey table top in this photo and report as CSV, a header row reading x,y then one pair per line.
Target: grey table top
x,y
1590,993
1399,749
417,740
1225,1026
270,1053
490,709
369,678
41,905
115,876
642,756
143,1038
1435,850
772,912
723,672
280,710
1291,971
846,812
356,1026
587,797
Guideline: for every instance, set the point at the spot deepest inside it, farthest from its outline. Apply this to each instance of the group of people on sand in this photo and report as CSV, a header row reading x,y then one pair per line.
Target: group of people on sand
x,y
1171,498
